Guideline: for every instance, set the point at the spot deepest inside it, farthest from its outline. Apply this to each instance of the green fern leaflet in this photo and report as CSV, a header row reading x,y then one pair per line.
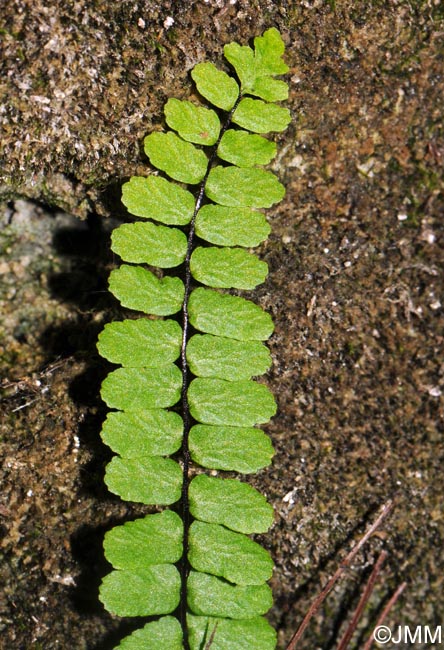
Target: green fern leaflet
x,y
186,384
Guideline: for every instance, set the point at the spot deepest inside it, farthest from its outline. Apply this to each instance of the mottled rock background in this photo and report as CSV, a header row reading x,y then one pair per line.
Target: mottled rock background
x,y
356,291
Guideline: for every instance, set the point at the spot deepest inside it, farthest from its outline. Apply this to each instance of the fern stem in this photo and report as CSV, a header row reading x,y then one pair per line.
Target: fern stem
x,y
186,458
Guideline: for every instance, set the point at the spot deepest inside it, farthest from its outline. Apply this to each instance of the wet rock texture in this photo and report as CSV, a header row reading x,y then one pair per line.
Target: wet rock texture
x,y
356,291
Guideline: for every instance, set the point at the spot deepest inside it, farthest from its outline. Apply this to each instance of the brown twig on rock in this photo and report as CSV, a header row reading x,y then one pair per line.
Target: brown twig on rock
x,y
343,644
384,614
385,511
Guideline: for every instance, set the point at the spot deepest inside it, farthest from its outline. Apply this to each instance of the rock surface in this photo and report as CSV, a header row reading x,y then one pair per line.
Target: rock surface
x,y
356,260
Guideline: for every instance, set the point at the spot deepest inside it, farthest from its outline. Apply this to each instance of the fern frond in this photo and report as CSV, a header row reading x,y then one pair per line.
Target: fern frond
x,y
189,388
